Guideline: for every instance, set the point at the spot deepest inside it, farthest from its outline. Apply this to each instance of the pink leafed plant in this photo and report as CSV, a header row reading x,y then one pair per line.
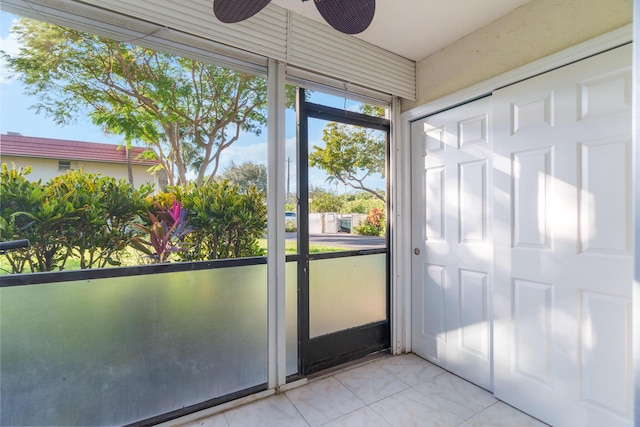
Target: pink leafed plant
x,y
166,233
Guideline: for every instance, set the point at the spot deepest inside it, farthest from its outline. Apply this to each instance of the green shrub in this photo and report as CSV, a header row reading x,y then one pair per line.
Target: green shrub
x,y
79,215
374,225
103,208
125,204
229,223
20,200
363,205
322,201
32,213
290,225
366,229
94,220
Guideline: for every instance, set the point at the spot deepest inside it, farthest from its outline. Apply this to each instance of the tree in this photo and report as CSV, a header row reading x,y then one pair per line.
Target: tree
x,y
322,200
362,202
187,112
245,175
351,153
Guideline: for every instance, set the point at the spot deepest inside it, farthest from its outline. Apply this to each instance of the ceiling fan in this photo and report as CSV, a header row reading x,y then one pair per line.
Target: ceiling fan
x,y
346,16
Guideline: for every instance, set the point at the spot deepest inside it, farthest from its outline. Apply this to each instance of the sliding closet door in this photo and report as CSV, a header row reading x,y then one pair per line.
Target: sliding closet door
x,y
563,243
452,244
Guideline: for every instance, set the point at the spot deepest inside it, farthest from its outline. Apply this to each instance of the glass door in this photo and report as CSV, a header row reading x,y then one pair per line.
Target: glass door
x,y
343,268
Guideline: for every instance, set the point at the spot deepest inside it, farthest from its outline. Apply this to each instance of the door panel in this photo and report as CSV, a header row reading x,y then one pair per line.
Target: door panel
x,y
452,240
523,244
562,293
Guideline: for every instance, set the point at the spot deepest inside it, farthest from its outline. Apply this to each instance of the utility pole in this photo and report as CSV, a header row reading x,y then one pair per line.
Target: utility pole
x,y
288,178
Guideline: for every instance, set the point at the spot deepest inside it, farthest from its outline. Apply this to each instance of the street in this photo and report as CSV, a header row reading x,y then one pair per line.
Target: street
x,y
344,240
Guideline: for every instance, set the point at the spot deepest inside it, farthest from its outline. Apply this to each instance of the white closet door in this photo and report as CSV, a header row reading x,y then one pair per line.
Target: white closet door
x,y
452,240
563,243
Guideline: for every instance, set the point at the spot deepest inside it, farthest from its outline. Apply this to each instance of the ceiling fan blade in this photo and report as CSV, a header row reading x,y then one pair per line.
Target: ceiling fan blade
x,y
230,11
347,16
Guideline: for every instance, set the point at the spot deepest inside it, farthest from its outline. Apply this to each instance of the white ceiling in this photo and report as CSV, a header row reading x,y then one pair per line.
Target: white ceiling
x,y
417,28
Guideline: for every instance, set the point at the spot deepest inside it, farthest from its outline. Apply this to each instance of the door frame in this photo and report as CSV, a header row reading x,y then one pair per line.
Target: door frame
x,y
318,353
403,256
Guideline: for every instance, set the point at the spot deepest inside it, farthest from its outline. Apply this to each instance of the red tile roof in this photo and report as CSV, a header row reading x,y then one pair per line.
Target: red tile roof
x,y
61,149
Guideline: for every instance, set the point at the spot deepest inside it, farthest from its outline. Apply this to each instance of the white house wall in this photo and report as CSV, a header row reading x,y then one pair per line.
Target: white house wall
x,y
45,169
531,32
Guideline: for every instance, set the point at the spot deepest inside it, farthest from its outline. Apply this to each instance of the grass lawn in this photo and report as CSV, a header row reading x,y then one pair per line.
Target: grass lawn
x,y
133,258
130,258
291,248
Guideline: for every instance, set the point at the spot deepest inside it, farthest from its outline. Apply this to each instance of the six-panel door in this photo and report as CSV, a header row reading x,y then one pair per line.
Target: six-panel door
x,y
522,278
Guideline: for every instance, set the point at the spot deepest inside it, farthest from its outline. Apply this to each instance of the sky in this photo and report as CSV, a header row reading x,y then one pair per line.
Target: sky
x,y
17,116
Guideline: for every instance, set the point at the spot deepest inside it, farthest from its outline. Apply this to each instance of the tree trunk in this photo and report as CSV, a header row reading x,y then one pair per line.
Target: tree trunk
x,y
129,167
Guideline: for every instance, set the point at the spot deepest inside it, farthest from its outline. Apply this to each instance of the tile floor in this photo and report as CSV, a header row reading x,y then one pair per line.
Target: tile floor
x,y
389,391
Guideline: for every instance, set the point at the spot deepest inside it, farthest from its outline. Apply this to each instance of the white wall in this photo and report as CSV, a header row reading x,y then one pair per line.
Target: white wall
x,y
531,32
45,169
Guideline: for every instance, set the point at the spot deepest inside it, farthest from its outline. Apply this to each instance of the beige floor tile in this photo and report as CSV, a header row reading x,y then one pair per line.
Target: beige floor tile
x,y
371,382
274,411
364,417
410,408
410,368
459,396
503,415
323,400
217,420
401,391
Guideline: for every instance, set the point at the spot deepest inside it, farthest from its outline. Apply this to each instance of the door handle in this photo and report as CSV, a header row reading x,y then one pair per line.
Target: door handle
x,y
416,251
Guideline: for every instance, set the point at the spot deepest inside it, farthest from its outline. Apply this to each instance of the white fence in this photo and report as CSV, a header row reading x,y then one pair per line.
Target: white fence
x,y
332,223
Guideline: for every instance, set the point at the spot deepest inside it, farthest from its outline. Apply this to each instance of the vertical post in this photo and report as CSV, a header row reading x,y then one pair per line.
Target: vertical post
x,y
276,286
636,210
400,176
288,178
389,226
303,230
